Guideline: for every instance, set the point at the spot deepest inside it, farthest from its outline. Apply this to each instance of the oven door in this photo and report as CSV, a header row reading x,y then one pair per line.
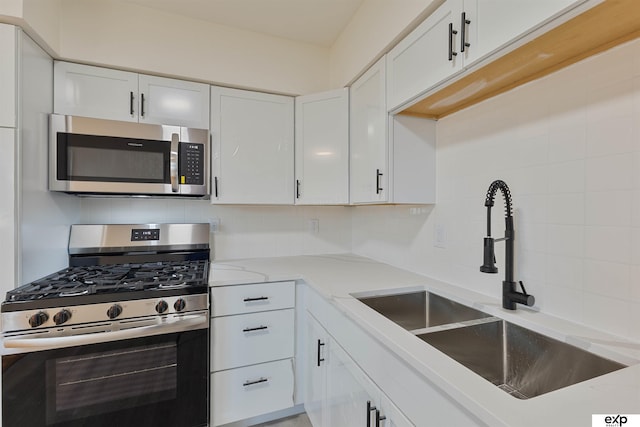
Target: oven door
x,y
158,380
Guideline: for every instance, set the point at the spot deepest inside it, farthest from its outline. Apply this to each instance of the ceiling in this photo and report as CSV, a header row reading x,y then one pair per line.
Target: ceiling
x,y
318,22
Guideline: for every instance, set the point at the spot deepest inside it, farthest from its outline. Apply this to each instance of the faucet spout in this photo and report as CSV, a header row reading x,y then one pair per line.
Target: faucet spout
x,y
510,297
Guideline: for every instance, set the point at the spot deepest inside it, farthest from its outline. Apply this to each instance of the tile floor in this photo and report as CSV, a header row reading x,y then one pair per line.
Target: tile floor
x,y
296,421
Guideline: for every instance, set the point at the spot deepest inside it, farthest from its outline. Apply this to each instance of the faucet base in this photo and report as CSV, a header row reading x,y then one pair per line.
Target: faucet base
x,y
511,297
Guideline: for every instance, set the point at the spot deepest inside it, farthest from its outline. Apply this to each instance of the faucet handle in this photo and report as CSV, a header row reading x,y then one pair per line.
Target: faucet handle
x,y
529,300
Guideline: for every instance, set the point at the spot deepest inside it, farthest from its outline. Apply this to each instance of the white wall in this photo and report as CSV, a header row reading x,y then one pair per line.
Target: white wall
x,y
129,36
375,26
43,18
44,216
568,146
245,231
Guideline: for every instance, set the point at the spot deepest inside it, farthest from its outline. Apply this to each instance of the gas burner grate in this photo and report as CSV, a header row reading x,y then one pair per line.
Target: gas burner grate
x,y
112,279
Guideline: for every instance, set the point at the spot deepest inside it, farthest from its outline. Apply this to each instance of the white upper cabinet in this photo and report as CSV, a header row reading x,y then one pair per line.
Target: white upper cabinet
x,y
8,79
252,147
458,33
392,158
84,90
368,142
492,23
104,93
426,56
173,102
322,148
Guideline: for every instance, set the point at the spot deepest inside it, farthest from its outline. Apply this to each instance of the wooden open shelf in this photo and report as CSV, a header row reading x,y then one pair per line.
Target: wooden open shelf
x,y
606,25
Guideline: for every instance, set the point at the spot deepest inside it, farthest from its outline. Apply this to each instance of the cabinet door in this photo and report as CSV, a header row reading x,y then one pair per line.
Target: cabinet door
x,y
315,377
349,391
8,79
368,143
492,23
173,102
322,148
83,90
422,59
393,416
252,151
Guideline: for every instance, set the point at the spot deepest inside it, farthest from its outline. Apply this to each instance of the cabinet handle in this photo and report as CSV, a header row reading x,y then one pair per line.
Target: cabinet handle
x,y
215,186
378,175
259,328
320,344
142,104
369,409
261,380
379,418
463,32
131,103
451,34
297,188
255,299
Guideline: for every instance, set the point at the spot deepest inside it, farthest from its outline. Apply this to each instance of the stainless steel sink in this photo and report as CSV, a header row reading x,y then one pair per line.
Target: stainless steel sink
x,y
420,309
523,363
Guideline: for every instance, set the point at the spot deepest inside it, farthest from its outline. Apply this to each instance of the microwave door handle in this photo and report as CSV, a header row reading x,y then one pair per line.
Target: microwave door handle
x,y
175,141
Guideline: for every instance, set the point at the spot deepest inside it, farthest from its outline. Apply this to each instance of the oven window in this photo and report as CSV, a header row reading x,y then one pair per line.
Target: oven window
x,y
94,382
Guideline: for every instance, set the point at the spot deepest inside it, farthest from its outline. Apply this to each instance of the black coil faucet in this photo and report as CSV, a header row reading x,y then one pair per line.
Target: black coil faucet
x,y
510,297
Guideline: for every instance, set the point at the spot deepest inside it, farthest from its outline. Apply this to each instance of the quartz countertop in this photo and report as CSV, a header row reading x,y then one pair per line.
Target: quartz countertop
x,y
336,277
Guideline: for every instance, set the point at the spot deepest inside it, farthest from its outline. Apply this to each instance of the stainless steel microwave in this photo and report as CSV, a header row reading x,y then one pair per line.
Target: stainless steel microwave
x,y
107,157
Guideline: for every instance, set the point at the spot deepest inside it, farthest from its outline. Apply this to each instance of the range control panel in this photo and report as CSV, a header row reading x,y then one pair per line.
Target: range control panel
x,y
138,234
191,168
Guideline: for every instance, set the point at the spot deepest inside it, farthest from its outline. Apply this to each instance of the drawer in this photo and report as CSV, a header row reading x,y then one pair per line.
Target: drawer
x,y
226,300
242,393
252,338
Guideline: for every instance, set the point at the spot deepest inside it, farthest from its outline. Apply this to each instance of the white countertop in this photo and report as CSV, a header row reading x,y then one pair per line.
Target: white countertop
x,y
337,276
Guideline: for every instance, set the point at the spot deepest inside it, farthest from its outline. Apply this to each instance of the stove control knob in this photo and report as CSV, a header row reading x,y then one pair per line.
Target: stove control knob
x,y
38,319
114,311
179,305
162,306
61,317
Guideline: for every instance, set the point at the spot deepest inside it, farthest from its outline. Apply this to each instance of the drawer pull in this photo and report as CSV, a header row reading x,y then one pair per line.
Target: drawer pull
x,y
259,328
256,299
261,380
379,418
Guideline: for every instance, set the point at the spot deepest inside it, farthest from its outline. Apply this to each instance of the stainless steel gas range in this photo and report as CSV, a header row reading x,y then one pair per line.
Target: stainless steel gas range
x,y
118,338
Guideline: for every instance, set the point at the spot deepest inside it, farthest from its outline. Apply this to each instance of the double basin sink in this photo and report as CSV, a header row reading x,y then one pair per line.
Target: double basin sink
x,y
519,361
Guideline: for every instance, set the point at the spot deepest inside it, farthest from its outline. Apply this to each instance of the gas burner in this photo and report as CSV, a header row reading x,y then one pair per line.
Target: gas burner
x,y
114,279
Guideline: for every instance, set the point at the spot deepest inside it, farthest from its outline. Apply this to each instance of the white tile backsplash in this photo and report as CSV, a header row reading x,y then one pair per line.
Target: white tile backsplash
x,y
568,145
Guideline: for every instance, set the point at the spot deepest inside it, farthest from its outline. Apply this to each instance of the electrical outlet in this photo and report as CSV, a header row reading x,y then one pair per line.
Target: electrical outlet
x,y
214,225
314,226
440,240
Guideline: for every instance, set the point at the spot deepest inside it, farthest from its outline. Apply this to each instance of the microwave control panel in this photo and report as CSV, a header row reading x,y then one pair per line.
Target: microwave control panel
x,y
191,167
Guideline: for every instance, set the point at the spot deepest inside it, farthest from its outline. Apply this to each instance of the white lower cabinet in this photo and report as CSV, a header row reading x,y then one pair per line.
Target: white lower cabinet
x,y
251,338
337,392
250,391
315,369
353,399
362,383
252,350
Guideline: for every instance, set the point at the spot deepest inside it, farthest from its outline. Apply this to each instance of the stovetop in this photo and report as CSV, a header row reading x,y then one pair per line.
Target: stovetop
x,y
105,283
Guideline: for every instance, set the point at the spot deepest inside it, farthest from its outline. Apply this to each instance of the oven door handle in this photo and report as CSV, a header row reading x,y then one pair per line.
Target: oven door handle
x,y
185,323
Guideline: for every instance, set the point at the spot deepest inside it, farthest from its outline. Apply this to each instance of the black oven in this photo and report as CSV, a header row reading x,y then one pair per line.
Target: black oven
x,y
119,338
159,380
